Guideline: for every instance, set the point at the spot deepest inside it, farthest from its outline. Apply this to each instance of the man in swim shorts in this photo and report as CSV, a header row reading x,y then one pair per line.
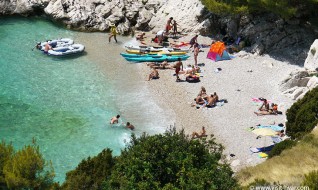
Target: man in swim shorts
x,y
168,25
179,66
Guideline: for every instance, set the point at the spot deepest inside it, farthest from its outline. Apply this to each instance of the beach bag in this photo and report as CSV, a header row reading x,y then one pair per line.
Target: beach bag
x,y
193,79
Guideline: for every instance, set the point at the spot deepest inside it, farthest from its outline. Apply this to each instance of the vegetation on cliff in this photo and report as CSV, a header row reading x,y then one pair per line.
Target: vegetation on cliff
x,y
24,169
284,8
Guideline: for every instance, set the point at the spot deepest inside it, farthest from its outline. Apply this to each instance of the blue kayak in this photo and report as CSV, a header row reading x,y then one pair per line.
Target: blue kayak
x,y
144,55
156,58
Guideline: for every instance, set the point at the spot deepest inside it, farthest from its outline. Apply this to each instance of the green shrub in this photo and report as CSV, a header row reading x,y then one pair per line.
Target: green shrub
x,y
311,180
171,161
278,148
302,116
91,172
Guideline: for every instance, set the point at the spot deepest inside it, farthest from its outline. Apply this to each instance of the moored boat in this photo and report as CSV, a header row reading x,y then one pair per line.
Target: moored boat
x,y
67,50
156,58
155,49
143,55
156,52
55,43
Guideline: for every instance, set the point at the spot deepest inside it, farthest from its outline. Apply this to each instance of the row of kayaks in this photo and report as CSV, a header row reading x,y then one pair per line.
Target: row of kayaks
x,y
60,47
153,57
153,54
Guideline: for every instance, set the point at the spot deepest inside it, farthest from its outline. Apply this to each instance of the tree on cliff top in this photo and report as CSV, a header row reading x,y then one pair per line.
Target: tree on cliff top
x,y
24,169
283,8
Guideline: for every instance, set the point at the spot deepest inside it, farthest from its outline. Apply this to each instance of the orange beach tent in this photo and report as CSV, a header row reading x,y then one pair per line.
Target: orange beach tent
x,y
218,52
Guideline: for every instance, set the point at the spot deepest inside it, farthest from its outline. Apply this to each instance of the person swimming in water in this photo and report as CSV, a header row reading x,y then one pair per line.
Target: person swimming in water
x,y
114,119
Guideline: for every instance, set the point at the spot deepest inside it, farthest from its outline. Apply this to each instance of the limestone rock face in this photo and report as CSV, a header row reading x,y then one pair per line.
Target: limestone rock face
x,y
187,13
311,62
298,84
285,39
96,15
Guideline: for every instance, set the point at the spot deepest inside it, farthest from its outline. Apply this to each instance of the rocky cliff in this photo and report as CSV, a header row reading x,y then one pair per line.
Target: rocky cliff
x,y
267,33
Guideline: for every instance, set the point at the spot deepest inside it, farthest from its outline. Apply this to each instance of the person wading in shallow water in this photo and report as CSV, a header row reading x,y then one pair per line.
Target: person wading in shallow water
x,y
113,32
114,119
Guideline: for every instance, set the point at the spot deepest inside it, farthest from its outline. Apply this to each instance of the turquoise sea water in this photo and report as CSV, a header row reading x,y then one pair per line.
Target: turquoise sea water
x,y
66,103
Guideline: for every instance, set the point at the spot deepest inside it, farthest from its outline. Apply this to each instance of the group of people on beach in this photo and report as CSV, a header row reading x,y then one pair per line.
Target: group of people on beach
x,y
205,100
267,109
188,71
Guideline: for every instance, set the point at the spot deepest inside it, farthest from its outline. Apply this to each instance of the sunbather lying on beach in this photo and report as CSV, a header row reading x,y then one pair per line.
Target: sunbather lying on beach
x,y
212,99
269,112
199,135
163,65
190,70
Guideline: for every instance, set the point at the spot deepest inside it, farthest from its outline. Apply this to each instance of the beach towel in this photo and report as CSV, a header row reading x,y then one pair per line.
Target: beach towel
x,y
182,44
274,127
262,155
262,149
258,101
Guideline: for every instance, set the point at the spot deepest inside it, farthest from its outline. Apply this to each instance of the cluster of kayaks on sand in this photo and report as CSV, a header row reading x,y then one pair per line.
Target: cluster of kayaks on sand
x,y
60,47
154,54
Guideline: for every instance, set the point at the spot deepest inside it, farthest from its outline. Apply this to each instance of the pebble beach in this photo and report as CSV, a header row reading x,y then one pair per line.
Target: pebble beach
x,y
238,80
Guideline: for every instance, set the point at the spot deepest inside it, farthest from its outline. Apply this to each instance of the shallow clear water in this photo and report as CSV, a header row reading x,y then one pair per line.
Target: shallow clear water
x,y
66,103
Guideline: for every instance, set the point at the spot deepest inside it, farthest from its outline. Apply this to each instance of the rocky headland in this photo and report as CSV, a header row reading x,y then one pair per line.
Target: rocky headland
x,y
284,39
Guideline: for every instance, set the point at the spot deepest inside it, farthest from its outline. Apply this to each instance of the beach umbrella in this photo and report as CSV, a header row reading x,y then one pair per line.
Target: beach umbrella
x,y
264,132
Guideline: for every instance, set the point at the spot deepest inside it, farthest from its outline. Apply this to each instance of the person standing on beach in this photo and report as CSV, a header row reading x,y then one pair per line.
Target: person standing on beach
x,y
193,40
196,53
168,25
113,32
179,66
175,28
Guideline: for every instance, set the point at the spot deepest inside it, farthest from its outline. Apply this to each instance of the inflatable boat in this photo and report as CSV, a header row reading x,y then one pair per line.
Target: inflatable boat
x,y
55,43
67,50
156,58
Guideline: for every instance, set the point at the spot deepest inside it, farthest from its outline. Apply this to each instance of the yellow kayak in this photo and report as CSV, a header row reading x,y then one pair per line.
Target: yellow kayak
x,y
155,52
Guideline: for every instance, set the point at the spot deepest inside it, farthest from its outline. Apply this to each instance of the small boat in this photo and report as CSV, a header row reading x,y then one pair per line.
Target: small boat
x,y
55,43
143,55
156,52
156,58
67,50
155,49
